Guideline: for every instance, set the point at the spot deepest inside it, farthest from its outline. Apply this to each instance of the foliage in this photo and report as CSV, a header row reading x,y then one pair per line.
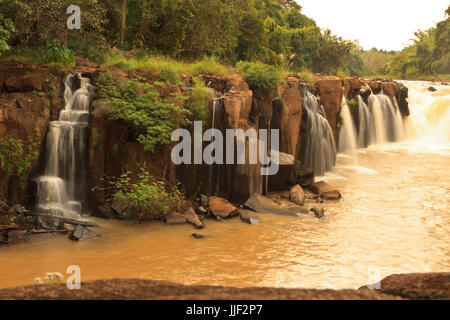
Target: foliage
x,y
16,158
141,107
427,57
260,75
198,100
273,32
164,65
153,199
6,28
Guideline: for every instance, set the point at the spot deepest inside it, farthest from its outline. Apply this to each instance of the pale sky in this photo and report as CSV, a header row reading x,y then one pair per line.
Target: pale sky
x,y
385,24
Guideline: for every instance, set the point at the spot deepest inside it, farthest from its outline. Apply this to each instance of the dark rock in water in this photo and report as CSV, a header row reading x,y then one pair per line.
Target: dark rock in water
x,y
82,233
198,236
16,236
192,218
17,209
119,206
107,212
262,204
325,190
3,239
302,176
432,89
295,208
47,222
249,217
222,208
33,237
297,195
318,212
174,218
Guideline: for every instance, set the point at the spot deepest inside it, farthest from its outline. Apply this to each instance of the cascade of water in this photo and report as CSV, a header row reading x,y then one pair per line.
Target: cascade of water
x,y
347,134
319,146
365,124
61,189
430,113
214,106
378,134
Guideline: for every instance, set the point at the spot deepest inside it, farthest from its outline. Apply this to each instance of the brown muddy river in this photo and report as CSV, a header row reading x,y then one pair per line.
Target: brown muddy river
x,y
394,218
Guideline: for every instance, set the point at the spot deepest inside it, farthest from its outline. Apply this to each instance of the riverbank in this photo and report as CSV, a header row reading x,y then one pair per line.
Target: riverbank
x,y
401,286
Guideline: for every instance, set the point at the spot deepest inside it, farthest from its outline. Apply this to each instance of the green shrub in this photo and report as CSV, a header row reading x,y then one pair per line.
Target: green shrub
x,y
260,75
150,198
16,159
307,77
198,100
141,107
169,75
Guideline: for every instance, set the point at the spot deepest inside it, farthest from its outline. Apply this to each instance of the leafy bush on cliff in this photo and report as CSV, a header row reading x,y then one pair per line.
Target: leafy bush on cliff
x,y
137,103
6,28
198,100
16,158
149,198
260,75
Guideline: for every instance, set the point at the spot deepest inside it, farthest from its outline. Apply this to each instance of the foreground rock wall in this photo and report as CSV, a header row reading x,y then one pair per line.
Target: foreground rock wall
x,y
29,99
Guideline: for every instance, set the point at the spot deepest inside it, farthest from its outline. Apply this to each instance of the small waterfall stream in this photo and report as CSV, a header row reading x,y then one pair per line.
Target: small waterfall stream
x,y
347,135
319,145
61,190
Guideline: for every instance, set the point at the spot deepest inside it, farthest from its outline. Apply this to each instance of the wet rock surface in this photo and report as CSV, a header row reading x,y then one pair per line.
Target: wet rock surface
x,y
222,208
297,195
82,233
249,217
394,287
174,218
325,190
193,219
262,204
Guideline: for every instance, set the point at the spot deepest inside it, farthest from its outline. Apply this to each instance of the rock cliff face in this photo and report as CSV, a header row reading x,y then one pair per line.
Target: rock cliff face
x,y
31,97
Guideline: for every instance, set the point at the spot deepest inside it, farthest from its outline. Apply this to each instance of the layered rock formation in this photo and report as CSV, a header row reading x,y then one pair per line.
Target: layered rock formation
x,y
30,98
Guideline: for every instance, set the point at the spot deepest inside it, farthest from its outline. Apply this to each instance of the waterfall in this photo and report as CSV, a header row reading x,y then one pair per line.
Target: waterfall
x,y
319,148
365,127
430,113
61,190
347,134
211,191
378,127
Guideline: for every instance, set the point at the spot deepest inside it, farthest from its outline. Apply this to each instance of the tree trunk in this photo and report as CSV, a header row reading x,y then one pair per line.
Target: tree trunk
x,y
124,18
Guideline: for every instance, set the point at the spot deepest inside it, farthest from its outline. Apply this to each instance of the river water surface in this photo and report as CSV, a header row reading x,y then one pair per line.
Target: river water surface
x,y
394,218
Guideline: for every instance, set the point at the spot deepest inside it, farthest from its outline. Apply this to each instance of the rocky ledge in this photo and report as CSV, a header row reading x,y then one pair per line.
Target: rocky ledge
x,y
394,287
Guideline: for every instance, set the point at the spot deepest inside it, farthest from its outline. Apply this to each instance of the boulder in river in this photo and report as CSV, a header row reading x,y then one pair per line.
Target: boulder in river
x,y
318,212
297,195
432,89
82,233
249,217
107,212
222,208
198,236
325,190
174,218
192,218
262,204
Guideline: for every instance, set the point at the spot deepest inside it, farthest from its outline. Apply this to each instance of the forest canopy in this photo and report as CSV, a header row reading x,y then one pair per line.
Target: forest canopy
x,y
273,32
